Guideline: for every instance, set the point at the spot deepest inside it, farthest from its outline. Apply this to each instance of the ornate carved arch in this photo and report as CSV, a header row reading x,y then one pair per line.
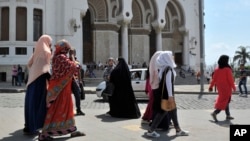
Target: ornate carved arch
x,y
173,11
137,15
101,10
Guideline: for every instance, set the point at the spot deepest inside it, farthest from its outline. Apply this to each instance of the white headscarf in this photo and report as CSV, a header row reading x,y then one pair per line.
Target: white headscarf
x,y
153,71
164,60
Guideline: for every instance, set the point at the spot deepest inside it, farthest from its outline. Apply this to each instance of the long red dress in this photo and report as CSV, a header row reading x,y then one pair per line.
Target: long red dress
x,y
60,115
148,114
223,79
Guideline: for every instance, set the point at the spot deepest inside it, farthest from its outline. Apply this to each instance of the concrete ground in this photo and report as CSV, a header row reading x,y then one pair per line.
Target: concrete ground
x,y
193,114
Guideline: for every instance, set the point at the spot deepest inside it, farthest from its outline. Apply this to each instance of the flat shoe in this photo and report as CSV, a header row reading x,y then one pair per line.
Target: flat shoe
x,y
77,134
214,117
229,118
80,113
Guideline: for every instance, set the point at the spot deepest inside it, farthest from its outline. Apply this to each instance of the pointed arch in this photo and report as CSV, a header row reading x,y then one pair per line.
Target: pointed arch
x,y
137,14
101,9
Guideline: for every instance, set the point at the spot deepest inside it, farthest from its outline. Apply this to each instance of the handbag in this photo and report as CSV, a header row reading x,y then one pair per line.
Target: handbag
x,y
82,92
166,104
108,91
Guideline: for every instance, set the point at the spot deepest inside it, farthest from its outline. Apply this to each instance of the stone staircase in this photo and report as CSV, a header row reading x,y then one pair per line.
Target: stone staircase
x,y
189,79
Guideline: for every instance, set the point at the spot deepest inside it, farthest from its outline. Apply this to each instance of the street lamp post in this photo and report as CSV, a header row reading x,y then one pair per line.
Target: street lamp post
x,y
201,23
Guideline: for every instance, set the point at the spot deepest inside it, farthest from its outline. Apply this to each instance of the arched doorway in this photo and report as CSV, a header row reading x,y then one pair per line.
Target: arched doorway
x,y
87,39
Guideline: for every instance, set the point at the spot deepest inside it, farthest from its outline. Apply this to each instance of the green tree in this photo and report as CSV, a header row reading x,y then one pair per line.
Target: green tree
x,y
241,55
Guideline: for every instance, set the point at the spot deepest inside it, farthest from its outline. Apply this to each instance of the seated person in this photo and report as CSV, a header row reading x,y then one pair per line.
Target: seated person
x,y
136,76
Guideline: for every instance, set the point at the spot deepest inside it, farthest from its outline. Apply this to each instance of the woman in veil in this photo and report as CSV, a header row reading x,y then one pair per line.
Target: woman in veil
x,y
123,103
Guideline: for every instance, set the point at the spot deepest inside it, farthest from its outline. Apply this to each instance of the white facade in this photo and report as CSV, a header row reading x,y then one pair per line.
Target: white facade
x,y
133,29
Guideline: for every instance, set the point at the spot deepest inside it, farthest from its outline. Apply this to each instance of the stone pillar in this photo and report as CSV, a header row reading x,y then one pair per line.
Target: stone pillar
x,y
159,22
124,19
185,52
12,25
124,36
185,48
30,25
158,40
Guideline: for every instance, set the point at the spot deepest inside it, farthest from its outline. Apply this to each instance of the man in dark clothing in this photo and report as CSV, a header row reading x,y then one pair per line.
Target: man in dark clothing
x,y
19,75
243,81
76,83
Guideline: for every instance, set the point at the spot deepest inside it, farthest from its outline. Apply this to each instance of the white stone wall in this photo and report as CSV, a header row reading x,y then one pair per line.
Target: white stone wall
x,y
191,11
139,48
167,44
106,43
57,22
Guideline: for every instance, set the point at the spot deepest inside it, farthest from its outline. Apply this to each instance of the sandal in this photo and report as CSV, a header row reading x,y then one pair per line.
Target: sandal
x,y
77,134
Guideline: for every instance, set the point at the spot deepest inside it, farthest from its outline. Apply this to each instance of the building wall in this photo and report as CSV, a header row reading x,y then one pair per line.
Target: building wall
x,y
139,48
59,17
106,43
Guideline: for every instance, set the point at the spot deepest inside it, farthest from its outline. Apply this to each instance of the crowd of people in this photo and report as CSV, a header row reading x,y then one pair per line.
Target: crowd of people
x,y
49,109
52,79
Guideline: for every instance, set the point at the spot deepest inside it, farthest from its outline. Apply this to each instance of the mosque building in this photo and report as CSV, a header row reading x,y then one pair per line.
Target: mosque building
x,y
99,29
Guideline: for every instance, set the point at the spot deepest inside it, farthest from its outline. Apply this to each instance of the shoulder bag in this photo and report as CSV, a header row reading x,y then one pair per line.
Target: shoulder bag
x,y
108,91
166,104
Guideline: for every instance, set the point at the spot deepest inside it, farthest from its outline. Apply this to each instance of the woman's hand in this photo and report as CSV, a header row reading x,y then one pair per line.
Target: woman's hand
x,y
171,98
210,89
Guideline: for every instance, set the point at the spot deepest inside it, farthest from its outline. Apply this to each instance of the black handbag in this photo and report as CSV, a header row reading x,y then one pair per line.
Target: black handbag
x,y
82,92
108,91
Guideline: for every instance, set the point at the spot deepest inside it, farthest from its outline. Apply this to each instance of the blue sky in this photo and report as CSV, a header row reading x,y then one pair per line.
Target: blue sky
x,y
227,27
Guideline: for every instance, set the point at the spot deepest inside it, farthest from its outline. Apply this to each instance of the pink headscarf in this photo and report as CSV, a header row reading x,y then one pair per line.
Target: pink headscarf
x,y
39,62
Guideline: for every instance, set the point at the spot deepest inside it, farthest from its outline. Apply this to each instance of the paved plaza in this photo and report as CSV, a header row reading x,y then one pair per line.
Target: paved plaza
x,y
193,114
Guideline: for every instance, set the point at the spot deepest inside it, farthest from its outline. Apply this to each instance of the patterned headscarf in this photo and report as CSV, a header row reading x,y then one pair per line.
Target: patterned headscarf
x,y
62,47
61,64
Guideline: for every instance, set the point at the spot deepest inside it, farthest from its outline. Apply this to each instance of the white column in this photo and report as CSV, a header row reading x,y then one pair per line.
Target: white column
x,y
158,40
30,24
160,22
124,19
124,36
12,23
185,52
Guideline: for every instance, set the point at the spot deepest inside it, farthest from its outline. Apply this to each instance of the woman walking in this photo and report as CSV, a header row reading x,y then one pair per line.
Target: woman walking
x,y
60,115
123,103
223,78
148,114
167,74
35,98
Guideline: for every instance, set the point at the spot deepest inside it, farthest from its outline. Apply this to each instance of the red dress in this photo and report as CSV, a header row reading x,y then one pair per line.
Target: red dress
x,y
149,110
223,79
60,114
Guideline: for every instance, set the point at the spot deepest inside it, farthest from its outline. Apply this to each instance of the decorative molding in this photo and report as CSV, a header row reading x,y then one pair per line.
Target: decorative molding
x,y
106,26
21,1
167,35
139,31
